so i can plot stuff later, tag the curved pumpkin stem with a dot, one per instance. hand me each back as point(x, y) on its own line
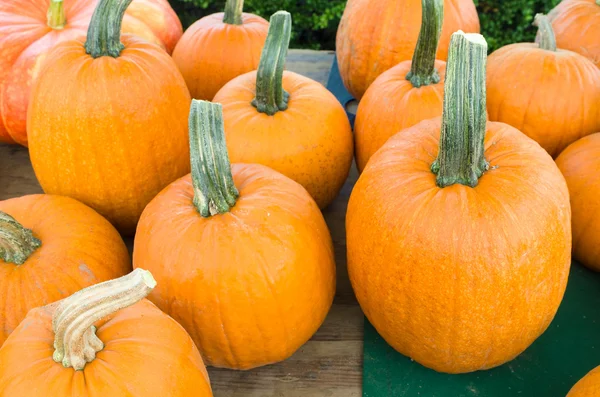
point(422, 71)
point(17, 243)
point(270, 95)
point(75, 339)
point(56, 15)
point(233, 12)
point(214, 190)
point(461, 155)
point(104, 33)
point(545, 38)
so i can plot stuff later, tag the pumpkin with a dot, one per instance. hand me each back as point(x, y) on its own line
point(107, 122)
point(241, 253)
point(580, 163)
point(375, 35)
point(219, 47)
point(404, 95)
point(588, 386)
point(551, 95)
point(287, 122)
point(29, 29)
point(105, 340)
point(576, 24)
point(458, 231)
point(51, 247)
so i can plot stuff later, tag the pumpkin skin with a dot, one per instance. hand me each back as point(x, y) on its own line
point(109, 132)
point(552, 97)
point(588, 386)
point(369, 40)
point(26, 39)
point(579, 163)
point(79, 248)
point(212, 52)
point(473, 285)
point(251, 285)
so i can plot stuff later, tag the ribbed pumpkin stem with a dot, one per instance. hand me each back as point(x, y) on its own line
point(461, 155)
point(56, 15)
point(16, 242)
point(270, 95)
point(75, 340)
point(545, 38)
point(104, 33)
point(422, 71)
point(214, 190)
point(233, 12)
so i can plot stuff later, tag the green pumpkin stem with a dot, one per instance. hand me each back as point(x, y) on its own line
point(75, 340)
point(104, 33)
point(233, 12)
point(422, 71)
point(270, 95)
point(214, 190)
point(545, 38)
point(56, 15)
point(17, 243)
point(461, 156)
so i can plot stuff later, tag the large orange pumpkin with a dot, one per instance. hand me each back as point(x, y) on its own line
point(105, 340)
point(580, 163)
point(459, 249)
point(29, 29)
point(108, 121)
point(551, 95)
point(51, 247)
point(588, 386)
point(375, 35)
point(406, 94)
point(242, 254)
point(219, 47)
point(287, 122)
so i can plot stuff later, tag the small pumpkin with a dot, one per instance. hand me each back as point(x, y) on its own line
point(105, 340)
point(588, 386)
point(579, 163)
point(51, 247)
point(406, 94)
point(29, 29)
point(219, 47)
point(458, 232)
point(107, 121)
point(242, 254)
point(552, 95)
point(375, 35)
point(288, 122)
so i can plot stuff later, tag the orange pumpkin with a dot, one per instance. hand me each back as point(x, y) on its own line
point(105, 340)
point(51, 247)
point(107, 122)
point(242, 254)
point(576, 24)
point(580, 163)
point(375, 35)
point(404, 95)
point(219, 47)
point(29, 29)
point(551, 95)
point(588, 386)
point(287, 122)
point(459, 248)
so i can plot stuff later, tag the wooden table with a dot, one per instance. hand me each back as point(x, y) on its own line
point(330, 364)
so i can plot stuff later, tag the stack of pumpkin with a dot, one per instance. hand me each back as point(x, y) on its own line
point(459, 228)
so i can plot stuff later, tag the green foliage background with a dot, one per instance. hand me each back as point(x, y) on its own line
point(316, 21)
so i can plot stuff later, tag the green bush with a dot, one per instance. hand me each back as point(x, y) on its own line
point(316, 21)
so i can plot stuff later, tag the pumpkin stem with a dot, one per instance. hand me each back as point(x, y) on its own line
point(75, 340)
point(17, 243)
point(56, 15)
point(233, 12)
point(270, 95)
point(104, 33)
point(422, 71)
point(461, 155)
point(214, 191)
point(545, 38)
